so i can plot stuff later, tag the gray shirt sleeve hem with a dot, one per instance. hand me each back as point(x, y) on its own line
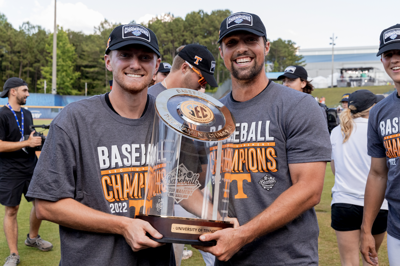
point(308, 160)
point(44, 197)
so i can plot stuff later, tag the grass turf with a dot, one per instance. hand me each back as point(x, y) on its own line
point(334, 95)
point(328, 250)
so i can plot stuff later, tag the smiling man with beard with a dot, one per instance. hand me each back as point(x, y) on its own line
point(17, 162)
point(281, 146)
point(91, 173)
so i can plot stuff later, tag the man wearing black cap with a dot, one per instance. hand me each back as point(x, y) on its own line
point(162, 72)
point(17, 162)
point(281, 146)
point(193, 68)
point(92, 168)
point(383, 147)
point(296, 77)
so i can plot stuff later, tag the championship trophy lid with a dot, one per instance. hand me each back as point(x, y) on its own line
point(193, 113)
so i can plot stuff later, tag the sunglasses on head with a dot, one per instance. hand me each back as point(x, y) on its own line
point(202, 81)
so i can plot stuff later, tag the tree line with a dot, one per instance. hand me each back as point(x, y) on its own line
point(27, 52)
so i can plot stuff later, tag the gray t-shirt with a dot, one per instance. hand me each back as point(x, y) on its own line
point(98, 158)
point(384, 141)
point(156, 89)
point(280, 126)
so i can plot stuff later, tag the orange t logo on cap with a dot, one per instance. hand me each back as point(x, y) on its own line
point(198, 59)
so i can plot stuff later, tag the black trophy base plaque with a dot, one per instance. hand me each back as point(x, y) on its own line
point(184, 230)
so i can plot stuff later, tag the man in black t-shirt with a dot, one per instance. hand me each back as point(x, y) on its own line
point(17, 162)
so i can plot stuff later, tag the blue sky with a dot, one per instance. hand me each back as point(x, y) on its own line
point(309, 23)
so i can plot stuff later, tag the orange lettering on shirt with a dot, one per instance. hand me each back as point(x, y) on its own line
point(117, 186)
point(126, 186)
point(395, 150)
point(235, 164)
point(241, 160)
point(262, 164)
point(271, 156)
point(253, 160)
point(133, 191)
point(105, 180)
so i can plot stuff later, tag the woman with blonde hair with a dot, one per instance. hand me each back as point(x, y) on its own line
point(350, 164)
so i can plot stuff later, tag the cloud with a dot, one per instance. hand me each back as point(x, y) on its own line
point(144, 19)
point(76, 17)
point(2, 3)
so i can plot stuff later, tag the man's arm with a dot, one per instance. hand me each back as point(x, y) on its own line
point(307, 179)
point(373, 198)
point(70, 213)
point(10, 146)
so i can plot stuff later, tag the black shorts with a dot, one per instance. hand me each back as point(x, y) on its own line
point(348, 217)
point(11, 189)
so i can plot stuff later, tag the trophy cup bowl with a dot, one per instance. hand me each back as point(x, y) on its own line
point(187, 185)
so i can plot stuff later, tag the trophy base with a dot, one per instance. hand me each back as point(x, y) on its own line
point(184, 230)
point(184, 241)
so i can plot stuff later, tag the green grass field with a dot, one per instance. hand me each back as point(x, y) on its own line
point(334, 95)
point(328, 251)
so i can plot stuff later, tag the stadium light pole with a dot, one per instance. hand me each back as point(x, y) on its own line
point(54, 81)
point(333, 38)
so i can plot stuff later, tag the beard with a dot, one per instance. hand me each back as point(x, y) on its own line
point(21, 100)
point(248, 74)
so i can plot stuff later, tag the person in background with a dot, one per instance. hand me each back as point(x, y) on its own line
point(193, 68)
point(345, 101)
point(296, 77)
point(17, 162)
point(162, 72)
point(350, 164)
point(383, 138)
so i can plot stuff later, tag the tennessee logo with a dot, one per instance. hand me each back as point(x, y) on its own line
point(198, 59)
point(108, 42)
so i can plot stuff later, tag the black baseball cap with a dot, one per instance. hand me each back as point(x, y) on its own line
point(198, 56)
point(164, 67)
point(361, 100)
point(294, 72)
point(379, 97)
point(389, 39)
point(242, 21)
point(345, 97)
point(124, 35)
point(10, 84)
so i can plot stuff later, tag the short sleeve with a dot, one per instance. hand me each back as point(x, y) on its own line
point(336, 137)
point(375, 142)
point(54, 175)
point(3, 128)
point(307, 133)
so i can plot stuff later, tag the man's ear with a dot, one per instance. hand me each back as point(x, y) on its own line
point(107, 61)
point(12, 91)
point(158, 62)
point(267, 47)
point(184, 68)
point(220, 52)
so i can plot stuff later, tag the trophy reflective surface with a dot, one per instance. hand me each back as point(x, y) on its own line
point(187, 186)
